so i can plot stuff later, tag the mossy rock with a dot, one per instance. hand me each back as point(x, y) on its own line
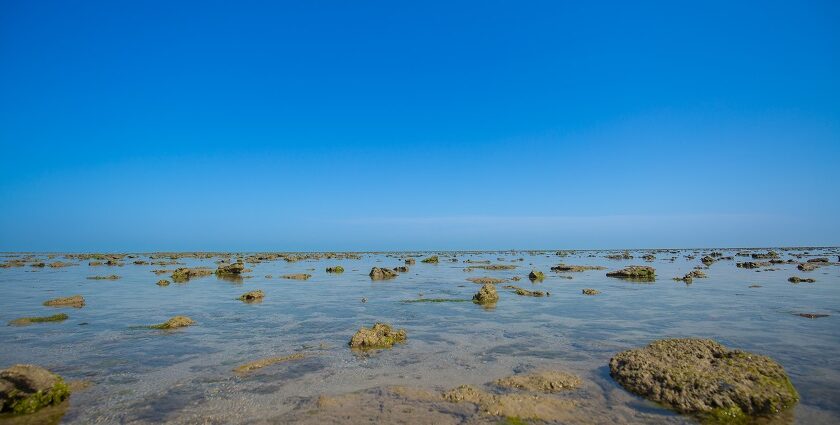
point(431, 260)
point(23, 321)
point(336, 269)
point(252, 296)
point(163, 282)
point(704, 378)
point(25, 389)
point(75, 301)
point(644, 273)
point(486, 295)
point(175, 323)
point(234, 269)
point(536, 275)
point(382, 273)
point(379, 336)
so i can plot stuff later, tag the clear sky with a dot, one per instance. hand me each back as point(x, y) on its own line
point(311, 125)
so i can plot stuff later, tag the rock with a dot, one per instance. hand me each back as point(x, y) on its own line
point(484, 280)
point(433, 259)
point(336, 269)
point(377, 273)
point(812, 315)
point(534, 407)
point(174, 323)
point(76, 301)
point(707, 260)
point(163, 282)
point(590, 291)
point(702, 377)
point(486, 295)
point(410, 261)
point(251, 296)
point(401, 269)
point(261, 363)
point(536, 275)
point(806, 267)
point(234, 269)
point(109, 277)
point(184, 274)
point(752, 264)
point(818, 260)
point(546, 382)
point(768, 255)
point(690, 276)
point(26, 388)
point(649, 257)
point(59, 264)
point(297, 276)
point(635, 272)
point(567, 268)
point(379, 336)
point(24, 321)
point(796, 279)
point(524, 292)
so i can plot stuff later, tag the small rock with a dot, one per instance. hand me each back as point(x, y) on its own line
point(76, 301)
point(379, 336)
point(590, 291)
point(174, 323)
point(252, 296)
point(486, 295)
point(336, 269)
point(377, 273)
point(163, 282)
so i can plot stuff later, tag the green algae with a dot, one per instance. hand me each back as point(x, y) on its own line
point(23, 321)
point(30, 404)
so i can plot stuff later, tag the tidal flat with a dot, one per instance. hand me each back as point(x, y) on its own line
point(554, 351)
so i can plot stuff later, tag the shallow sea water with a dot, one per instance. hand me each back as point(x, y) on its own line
point(140, 375)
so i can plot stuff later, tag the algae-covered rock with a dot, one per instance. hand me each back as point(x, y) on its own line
point(702, 377)
point(297, 276)
point(401, 269)
point(526, 293)
point(806, 267)
point(433, 259)
point(548, 382)
point(336, 269)
point(75, 301)
point(569, 268)
point(174, 323)
point(485, 280)
point(109, 277)
point(635, 272)
point(536, 275)
point(486, 295)
point(590, 291)
point(163, 282)
point(377, 273)
point(183, 274)
point(26, 388)
point(252, 296)
point(409, 261)
point(530, 406)
point(381, 335)
point(797, 279)
point(23, 321)
point(234, 269)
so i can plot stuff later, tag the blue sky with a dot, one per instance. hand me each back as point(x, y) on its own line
point(310, 125)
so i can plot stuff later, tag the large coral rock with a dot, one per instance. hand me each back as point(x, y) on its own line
point(700, 376)
point(486, 295)
point(381, 335)
point(25, 388)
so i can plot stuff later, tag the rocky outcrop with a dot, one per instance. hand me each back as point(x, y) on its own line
point(26, 388)
point(486, 295)
point(75, 301)
point(377, 273)
point(379, 336)
point(635, 272)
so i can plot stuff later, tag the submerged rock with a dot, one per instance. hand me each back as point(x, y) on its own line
point(590, 291)
point(486, 295)
point(536, 275)
point(547, 382)
point(252, 296)
point(336, 269)
point(752, 264)
point(690, 276)
point(379, 336)
point(535, 407)
point(702, 377)
point(568, 268)
point(377, 273)
point(297, 276)
point(524, 292)
point(635, 272)
point(26, 388)
point(806, 267)
point(76, 301)
point(174, 323)
point(163, 282)
point(433, 259)
point(485, 280)
point(23, 321)
point(109, 277)
point(812, 315)
point(401, 269)
point(268, 361)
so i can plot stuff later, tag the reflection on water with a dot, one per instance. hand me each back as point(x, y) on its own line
point(185, 376)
